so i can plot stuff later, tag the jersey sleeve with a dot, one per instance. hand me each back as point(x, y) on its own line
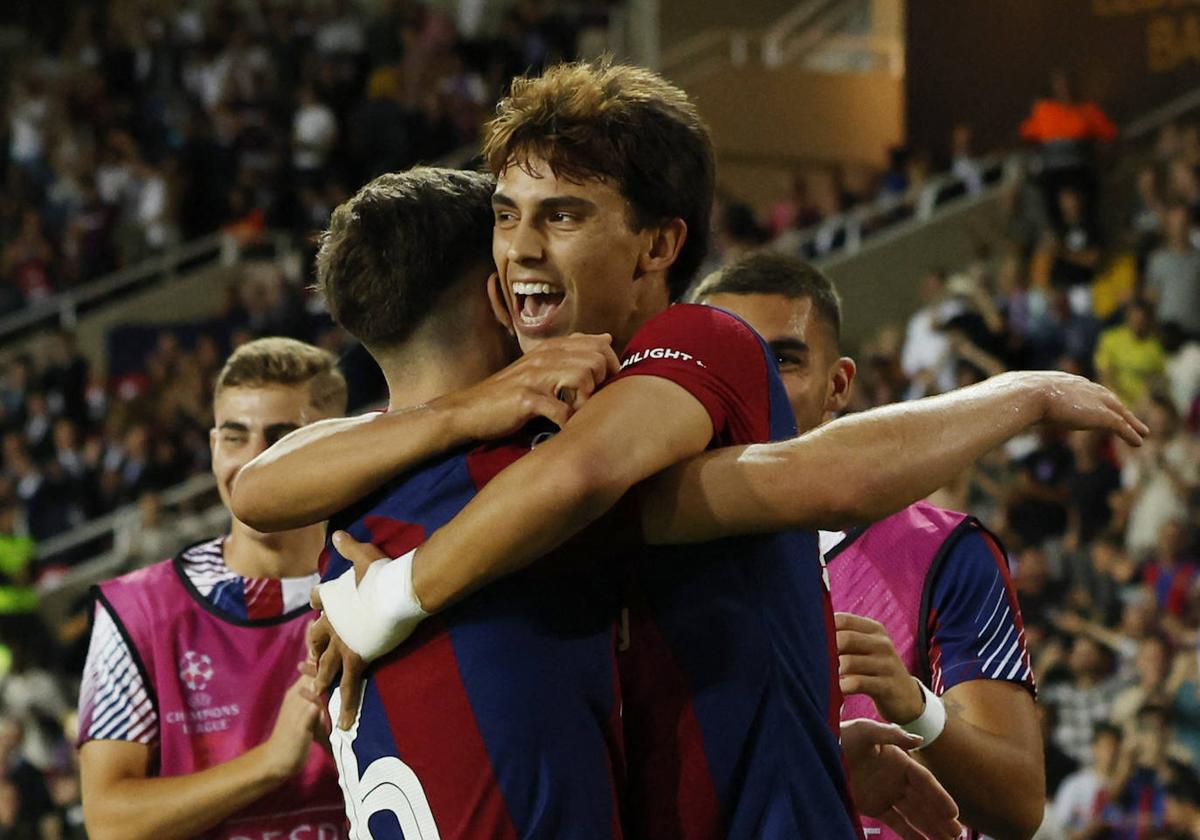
point(975, 627)
point(114, 704)
point(716, 358)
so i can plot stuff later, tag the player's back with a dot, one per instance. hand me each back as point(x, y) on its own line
point(499, 718)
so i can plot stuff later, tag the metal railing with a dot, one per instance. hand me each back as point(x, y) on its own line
point(64, 308)
point(95, 551)
point(845, 233)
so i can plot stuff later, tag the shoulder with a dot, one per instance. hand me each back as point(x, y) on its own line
point(696, 325)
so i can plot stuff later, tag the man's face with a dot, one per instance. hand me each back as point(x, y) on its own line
point(804, 346)
point(248, 420)
point(565, 254)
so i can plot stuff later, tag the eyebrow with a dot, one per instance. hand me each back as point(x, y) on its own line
point(783, 344)
point(234, 426)
point(281, 428)
point(556, 202)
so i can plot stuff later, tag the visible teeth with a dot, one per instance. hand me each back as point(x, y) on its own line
point(533, 289)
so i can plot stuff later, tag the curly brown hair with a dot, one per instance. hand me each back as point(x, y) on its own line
point(613, 121)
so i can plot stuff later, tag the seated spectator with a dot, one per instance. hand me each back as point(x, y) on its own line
point(964, 164)
point(1173, 273)
point(1129, 358)
point(1083, 795)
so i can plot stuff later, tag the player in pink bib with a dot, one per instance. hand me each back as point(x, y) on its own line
point(922, 593)
point(193, 719)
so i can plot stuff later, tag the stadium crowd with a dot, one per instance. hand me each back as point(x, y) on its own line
point(136, 130)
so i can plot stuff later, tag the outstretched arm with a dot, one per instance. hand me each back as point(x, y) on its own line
point(323, 467)
point(861, 468)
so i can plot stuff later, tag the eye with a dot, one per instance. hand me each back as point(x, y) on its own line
point(788, 360)
point(505, 217)
point(233, 438)
point(559, 217)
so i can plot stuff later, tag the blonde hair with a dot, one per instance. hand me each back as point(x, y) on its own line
point(286, 361)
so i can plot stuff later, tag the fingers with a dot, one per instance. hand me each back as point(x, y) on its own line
point(857, 623)
point(361, 554)
point(327, 668)
point(556, 411)
point(853, 641)
point(314, 598)
point(884, 734)
point(350, 690)
point(318, 637)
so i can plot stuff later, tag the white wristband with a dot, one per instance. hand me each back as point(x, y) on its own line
point(932, 720)
point(379, 612)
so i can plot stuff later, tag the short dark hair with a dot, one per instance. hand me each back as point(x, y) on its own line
point(629, 124)
point(773, 273)
point(1103, 728)
point(398, 244)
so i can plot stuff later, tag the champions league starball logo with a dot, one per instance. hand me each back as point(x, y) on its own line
point(196, 670)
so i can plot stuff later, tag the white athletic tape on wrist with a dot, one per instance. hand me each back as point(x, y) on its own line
point(932, 720)
point(378, 613)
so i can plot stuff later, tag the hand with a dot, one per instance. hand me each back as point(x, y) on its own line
point(299, 715)
point(327, 654)
point(890, 786)
point(1073, 402)
point(868, 664)
point(372, 606)
point(553, 380)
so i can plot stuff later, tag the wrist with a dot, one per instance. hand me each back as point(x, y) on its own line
point(450, 419)
point(274, 769)
point(930, 724)
point(910, 703)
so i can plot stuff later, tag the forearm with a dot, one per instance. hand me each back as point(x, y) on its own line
point(545, 498)
point(972, 764)
point(170, 807)
point(856, 469)
point(319, 469)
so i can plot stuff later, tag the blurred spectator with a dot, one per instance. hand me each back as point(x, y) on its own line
point(1173, 273)
point(1066, 131)
point(1081, 798)
point(925, 358)
point(1129, 358)
point(963, 162)
point(1140, 804)
point(1083, 699)
point(1182, 370)
point(1159, 479)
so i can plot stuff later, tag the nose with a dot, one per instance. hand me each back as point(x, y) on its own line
point(525, 243)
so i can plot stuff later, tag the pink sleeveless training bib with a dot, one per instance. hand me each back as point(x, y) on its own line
point(217, 685)
point(882, 574)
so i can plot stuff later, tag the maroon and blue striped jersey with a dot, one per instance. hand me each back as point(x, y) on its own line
point(729, 674)
point(500, 717)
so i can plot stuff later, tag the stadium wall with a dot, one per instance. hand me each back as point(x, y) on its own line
point(984, 62)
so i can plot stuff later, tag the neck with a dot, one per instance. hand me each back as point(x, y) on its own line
point(424, 380)
point(287, 554)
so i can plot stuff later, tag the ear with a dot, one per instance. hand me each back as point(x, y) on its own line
point(499, 308)
point(841, 379)
point(662, 247)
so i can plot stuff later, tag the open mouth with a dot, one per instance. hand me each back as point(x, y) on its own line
point(536, 303)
